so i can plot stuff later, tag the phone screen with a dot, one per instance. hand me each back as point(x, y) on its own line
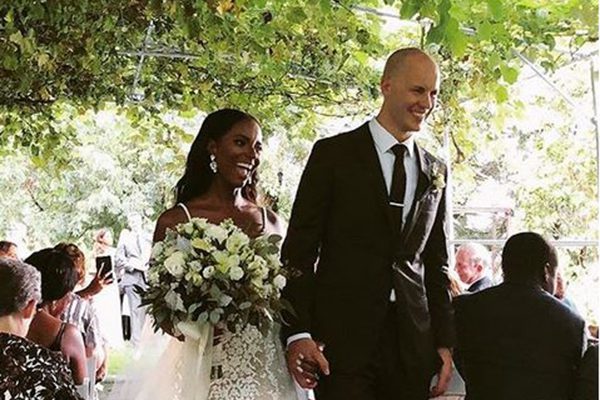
point(104, 265)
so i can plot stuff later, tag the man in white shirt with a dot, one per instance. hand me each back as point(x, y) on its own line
point(366, 247)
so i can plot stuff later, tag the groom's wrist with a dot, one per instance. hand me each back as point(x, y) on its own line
point(298, 336)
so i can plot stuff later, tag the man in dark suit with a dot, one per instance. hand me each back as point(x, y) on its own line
point(516, 341)
point(367, 244)
point(473, 263)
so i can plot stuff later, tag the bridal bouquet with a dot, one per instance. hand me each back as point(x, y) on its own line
point(206, 273)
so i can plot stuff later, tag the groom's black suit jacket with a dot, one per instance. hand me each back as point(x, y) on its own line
point(350, 253)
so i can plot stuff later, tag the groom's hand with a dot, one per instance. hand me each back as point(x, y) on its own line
point(444, 374)
point(306, 361)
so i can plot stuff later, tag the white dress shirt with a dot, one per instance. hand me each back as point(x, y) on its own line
point(384, 141)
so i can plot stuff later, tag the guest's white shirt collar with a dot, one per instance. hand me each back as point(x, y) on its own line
point(384, 140)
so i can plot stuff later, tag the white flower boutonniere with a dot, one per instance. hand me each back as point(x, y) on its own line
point(438, 180)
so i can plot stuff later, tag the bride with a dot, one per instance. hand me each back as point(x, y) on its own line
point(220, 183)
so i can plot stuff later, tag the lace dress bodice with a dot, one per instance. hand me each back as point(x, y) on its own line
point(252, 366)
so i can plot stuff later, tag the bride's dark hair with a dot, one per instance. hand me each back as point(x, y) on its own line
point(197, 177)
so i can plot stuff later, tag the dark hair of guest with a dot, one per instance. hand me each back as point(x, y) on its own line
point(59, 274)
point(525, 256)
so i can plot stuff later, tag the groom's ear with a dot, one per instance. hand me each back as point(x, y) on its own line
point(385, 85)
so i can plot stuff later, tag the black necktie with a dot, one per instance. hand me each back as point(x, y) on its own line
point(398, 184)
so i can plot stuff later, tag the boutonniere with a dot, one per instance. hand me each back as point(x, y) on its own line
point(437, 177)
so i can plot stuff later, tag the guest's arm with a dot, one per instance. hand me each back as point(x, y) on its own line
point(73, 349)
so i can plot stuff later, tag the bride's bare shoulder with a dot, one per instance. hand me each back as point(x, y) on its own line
point(168, 219)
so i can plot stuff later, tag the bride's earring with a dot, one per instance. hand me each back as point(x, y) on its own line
point(213, 163)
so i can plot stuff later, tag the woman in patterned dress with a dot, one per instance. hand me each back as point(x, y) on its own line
point(27, 370)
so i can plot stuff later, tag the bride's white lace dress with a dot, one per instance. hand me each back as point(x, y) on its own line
point(252, 367)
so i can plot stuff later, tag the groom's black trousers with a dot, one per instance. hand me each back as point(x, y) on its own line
point(385, 378)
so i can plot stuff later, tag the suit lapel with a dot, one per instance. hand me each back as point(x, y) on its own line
point(423, 188)
point(368, 158)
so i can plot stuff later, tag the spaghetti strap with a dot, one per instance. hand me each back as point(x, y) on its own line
point(185, 209)
point(56, 345)
point(264, 218)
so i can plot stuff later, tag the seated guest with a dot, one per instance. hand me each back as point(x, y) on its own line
point(27, 370)
point(81, 313)
point(473, 263)
point(515, 340)
point(8, 249)
point(59, 277)
point(561, 292)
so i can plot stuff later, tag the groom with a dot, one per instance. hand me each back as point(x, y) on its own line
point(367, 246)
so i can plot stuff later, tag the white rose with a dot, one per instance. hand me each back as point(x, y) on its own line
point(153, 276)
point(157, 250)
point(188, 228)
point(279, 282)
point(236, 241)
point(267, 289)
point(216, 232)
point(200, 223)
point(175, 264)
point(236, 273)
point(208, 272)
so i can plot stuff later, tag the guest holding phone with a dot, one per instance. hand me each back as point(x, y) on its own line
point(107, 302)
point(82, 313)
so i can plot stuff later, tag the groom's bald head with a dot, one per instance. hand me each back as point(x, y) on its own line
point(398, 60)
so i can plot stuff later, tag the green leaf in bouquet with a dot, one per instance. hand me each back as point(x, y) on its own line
point(245, 305)
point(215, 292)
point(215, 316)
point(203, 317)
point(274, 238)
point(161, 315)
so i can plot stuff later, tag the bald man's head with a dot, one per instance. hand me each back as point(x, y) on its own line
point(409, 85)
point(398, 60)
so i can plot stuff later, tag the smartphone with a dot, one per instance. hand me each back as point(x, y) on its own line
point(104, 265)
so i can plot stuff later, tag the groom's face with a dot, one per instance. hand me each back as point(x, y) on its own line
point(410, 92)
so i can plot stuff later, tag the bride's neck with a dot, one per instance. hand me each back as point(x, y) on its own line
point(225, 194)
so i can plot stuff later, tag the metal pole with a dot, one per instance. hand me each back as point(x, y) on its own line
point(449, 192)
point(138, 70)
point(597, 134)
point(545, 78)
